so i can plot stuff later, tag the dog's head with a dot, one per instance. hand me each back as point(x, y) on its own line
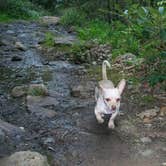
point(112, 96)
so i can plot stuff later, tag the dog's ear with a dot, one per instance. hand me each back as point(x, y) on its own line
point(121, 85)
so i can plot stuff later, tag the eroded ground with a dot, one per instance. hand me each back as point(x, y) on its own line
point(70, 134)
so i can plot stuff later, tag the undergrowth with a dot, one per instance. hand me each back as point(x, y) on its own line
point(141, 31)
point(19, 9)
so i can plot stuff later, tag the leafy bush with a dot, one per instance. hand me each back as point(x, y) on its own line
point(73, 17)
point(155, 68)
point(116, 34)
point(19, 9)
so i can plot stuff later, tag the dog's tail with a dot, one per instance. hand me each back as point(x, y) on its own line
point(104, 72)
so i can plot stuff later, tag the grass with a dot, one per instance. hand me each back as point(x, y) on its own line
point(11, 10)
point(5, 17)
point(37, 91)
point(49, 39)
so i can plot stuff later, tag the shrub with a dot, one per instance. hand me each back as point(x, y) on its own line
point(19, 9)
point(73, 17)
point(155, 68)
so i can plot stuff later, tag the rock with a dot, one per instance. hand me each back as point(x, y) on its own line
point(19, 91)
point(25, 158)
point(77, 90)
point(20, 46)
point(147, 120)
point(49, 140)
point(10, 32)
point(146, 140)
point(40, 105)
point(4, 42)
point(16, 58)
point(150, 113)
point(2, 136)
point(163, 164)
point(66, 40)
point(50, 20)
point(125, 58)
point(163, 111)
point(9, 129)
point(129, 58)
point(37, 90)
point(146, 153)
point(94, 63)
point(83, 91)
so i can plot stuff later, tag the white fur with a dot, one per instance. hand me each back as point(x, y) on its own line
point(108, 98)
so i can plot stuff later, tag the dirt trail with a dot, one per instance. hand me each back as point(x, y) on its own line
point(71, 137)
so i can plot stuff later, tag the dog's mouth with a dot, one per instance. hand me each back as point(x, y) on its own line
point(110, 111)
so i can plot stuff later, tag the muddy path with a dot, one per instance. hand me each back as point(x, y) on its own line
point(70, 135)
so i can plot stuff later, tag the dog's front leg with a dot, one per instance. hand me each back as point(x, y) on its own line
point(111, 124)
point(99, 116)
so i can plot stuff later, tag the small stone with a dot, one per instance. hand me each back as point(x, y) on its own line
point(164, 149)
point(147, 120)
point(163, 164)
point(94, 63)
point(20, 46)
point(150, 113)
point(49, 140)
point(146, 153)
point(4, 42)
point(2, 136)
point(42, 105)
point(50, 20)
point(163, 111)
point(76, 91)
point(10, 32)
point(148, 125)
point(16, 58)
point(22, 128)
point(19, 91)
point(146, 140)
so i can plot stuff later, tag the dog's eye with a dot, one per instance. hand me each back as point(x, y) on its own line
point(118, 99)
point(108, 99)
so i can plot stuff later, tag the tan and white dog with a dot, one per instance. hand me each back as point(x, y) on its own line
point(108, 97)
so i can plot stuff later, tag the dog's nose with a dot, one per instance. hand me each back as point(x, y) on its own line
point(113, 107)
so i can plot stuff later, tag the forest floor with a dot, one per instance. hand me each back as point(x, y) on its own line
point(67, 131)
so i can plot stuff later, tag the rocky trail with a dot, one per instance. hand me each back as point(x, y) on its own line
point(62, 125)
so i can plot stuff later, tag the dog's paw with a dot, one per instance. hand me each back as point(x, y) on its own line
point(111, 124)
point(100, 120)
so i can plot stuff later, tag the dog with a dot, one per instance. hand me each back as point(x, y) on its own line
point(108, 97)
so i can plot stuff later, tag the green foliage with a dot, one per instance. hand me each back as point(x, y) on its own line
point(155, 68)
point(37, 91)
point(148, 99)
point(19, 9)
point(4, 17)
point(73, 17)
point(49, 39)
point(116, 34)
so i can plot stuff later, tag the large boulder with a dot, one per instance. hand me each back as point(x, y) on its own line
point(25, 158)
